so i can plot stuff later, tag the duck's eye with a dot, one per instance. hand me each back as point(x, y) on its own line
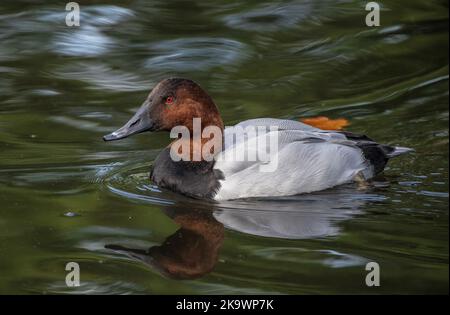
point(169, 100)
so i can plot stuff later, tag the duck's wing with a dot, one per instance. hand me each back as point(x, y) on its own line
point(281, 124)
point(262, 124)
point(302, 161)
point(292, 131)
point(241, 141)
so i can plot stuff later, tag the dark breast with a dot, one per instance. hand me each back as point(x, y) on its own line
point(194, 179)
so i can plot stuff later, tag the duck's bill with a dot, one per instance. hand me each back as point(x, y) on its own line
point(122, 133)
point(140, 122)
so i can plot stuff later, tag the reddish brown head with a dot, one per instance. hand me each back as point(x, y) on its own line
point(173, 102)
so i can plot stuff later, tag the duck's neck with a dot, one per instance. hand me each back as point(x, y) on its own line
point(205, 140)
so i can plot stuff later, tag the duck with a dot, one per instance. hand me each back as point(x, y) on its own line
point(308, 159)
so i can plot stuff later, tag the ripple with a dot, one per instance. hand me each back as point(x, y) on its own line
point(433, 194)
point(140, 197)
point(87, 41)
point(98, 15)
point(102, 76)
point(270, 17)
point(94, 287)
point(18, 31)
point(79, 123)
point(45, 92)
point(342, 260)
point(106, 14)
point(112, 231)
point(329, 258)
point(197, 53)
point(396, 39)
point(132, 182)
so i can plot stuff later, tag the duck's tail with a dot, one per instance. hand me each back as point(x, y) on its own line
point(396, 151)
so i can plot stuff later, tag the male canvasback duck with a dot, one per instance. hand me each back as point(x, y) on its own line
point(308, 159)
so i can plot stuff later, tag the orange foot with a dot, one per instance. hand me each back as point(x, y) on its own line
point(326, 123)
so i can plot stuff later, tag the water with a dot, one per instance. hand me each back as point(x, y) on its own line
point(68, 196)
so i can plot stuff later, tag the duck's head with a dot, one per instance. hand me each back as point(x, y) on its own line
point(173, 102)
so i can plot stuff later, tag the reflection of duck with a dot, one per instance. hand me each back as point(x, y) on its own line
point(304, 217)
point(190, 252)
point(193, 250)
point(307, 159)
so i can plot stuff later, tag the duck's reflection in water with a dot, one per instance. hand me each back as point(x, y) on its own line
point(193, 250)
point(298, 217)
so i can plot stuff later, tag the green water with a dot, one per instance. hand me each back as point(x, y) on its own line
point(65, 194)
